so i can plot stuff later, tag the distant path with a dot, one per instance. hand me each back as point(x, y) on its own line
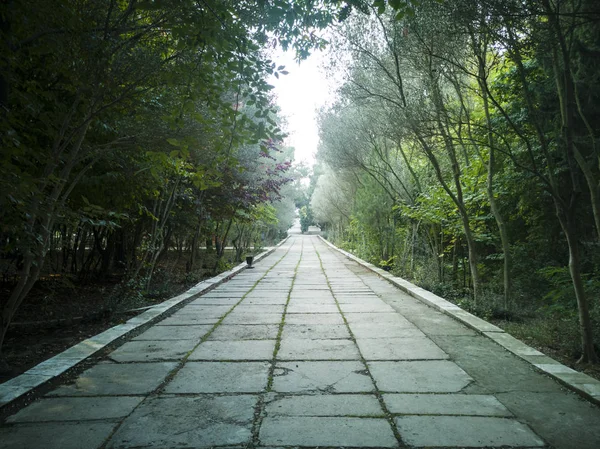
point(307, 349)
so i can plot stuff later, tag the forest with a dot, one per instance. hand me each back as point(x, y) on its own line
point(459, 152)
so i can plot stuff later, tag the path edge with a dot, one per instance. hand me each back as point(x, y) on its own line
point(46, 371)
point(581, 383)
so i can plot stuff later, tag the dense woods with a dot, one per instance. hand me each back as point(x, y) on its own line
point(461, 153)
point(133, 128)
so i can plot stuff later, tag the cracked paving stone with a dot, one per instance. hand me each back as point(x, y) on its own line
point(431, 376)
point(188, 422)
point(331, 377)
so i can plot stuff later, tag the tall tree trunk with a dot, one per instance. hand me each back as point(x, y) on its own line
point(567, 222)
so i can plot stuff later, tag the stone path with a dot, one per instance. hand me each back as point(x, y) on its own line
point(307, 349)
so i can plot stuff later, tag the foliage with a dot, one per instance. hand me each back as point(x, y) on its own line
point(469, 132)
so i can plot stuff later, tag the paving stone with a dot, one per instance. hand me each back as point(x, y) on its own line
point(300, 307)
point(76, 409)
point(331, 377)
point(430, 320)
point(146, 351)
point(385, 330)
point(432, 376)
point(281, 299)
point(259, 308)
point(220, 377)
point(327, 431)
point(89, 435)
point(445, 404)
point(234, 350)
point(465, 431)
point(314, 318)
point(188, 422)
point(112, 379)
point(312, 297)
point(302, 349)
point(376, 318)
point(325, 405)
point(564, 419)
point(167, 333)
point(409, 348)
point(245, 332)
point(377, 306)
point(315, 331)
point(252, 318)
point(492, 366)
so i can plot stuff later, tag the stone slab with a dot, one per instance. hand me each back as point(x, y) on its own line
point(281, 299)
point(433, 376)
point(76, 409)
point(465, 431)
point(112, 379)
point(188, 422)
point(314, 318)
point(259, 308)
point(325, 405)
point(376, 318)
point(377, 306)
point(152, 351)
point(328, 377)
point(409, 348)
point(563, 419)
point(252, 318)
point(315, 331)
point(302, 307)
point(493, 367)
point(245, 332)
point(385, 330)
point(234, 350)
point(445, 404)
point(302, 349)
point(90, 435)
point(220, 377)
point(167, 333)
point(327, 431)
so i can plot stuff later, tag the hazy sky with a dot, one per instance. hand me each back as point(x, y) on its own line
point(299, 95)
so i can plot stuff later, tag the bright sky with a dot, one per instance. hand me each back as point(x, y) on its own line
point(299, 95)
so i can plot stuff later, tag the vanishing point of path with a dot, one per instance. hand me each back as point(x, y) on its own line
point(307, 349)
